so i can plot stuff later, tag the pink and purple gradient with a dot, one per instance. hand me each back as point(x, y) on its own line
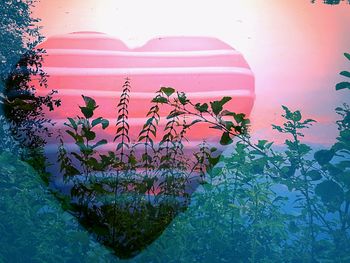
point(96, 65)
point(293, 47)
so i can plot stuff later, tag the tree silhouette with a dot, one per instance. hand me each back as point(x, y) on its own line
point(20, 68)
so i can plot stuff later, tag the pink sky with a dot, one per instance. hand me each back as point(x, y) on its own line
point(294, 47)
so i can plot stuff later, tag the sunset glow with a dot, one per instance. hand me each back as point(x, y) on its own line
point(175, 131)
point(294, 48)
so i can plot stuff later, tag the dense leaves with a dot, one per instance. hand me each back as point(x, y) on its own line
point(21, 72)
point(245, 182)
point(34, 227)
point(257, 203)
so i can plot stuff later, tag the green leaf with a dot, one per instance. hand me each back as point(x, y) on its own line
point(72, 123)
point(99, 143)
point(288, 171)
point(90, 135)
point(227, 113)
point(88, 113)
point(239, 117)
point(175, 114)
point(90, 103)
point(229, 125)
point(314, 175)
point(324, 156)
point(333, 170)
point(217, 106)
point(330, 192)
point(288, 115)
point(213, 160)
point(132, 160)
point(278, 128)
point(213, 149)
point(261, 144)
point(344, 164)
point(201, 107)
point(345, 74)
point(225, 99)
point(342, 85)
point(70, 171)
point(160, 99)
point(292, 145)
point(100, 120)
point(347, 55)
point(96, 121)
point(95, 165)
point(182, 98)
point(76, 137)
point(268, 145)
point(345, 135)
point(225, 139)
point(194, 122)
point(258, 168)
point(297, 116)
point(304, 149)
point(167, 91)
point(345, 178)
point(216, 127)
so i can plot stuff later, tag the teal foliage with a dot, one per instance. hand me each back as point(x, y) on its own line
point(255, 203)
point(33, 226)
point(344, 84)
point(264, 205)
point(20, 63)
point(20, 32)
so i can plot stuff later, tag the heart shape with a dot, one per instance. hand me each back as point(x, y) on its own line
point(96, 65)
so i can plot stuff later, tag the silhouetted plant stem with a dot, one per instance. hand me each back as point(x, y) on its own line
point(306, 193)
point(149, 130)
point(220, 124)
point(122, 134)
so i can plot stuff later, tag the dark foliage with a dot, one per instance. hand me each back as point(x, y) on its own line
point(20, 72)
point(127, 197)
